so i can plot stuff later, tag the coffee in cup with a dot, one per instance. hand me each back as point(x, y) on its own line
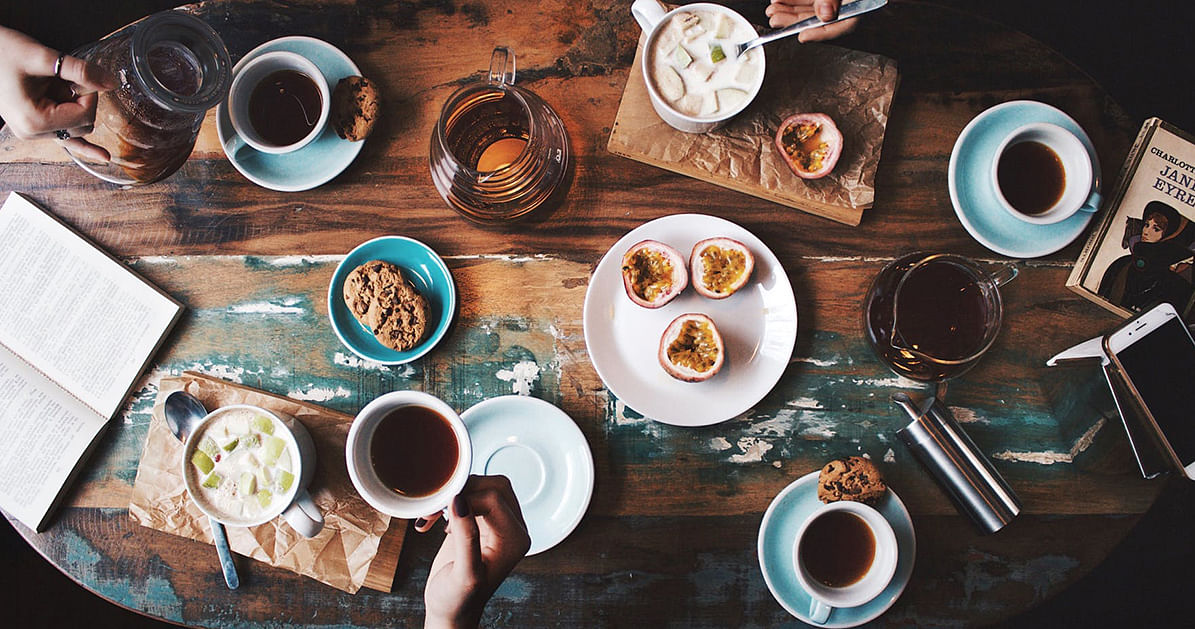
point(278, 103)
point(1042, 174)
point(845, 555)
point(408, 454)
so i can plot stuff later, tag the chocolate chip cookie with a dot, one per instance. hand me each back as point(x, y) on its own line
point(853, 478)
point(387, 303)
point(354, 108)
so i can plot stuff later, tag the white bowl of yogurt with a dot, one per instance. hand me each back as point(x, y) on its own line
point(245, 466)
point(695, 80)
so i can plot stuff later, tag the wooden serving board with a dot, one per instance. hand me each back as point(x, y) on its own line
point(854, 88)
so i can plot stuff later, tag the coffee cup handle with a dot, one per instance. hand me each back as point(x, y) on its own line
point(647, 13)
point(819, 612)
point(1092, 203)
point(303, 516)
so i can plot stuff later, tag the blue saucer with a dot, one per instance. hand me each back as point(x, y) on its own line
point(543, 453)
point(974, 196)
point(423, 268)
point(778, 533)
point(314, 164)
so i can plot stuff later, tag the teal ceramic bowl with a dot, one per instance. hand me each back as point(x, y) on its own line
point(423, 268)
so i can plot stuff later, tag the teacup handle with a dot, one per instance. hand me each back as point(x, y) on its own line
point(819, 612)
point(303, 516)
point(1092, 203)
point(647, 13)
point(1005, 274)
point(502, 60)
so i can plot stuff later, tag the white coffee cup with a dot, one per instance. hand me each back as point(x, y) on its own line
point(825, 598)
point(377, 493)
point(1077, 193)
point(652, 17)
point(295, 505)
point(248, 78)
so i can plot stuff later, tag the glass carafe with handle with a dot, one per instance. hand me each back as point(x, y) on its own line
point(170, 68)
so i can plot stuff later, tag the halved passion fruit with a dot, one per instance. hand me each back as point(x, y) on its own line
point(720, 266)
point(810, 144)
point(653, 273)
point(691, 348)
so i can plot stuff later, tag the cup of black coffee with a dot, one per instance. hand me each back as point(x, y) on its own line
point(1043, 174)
point(408, 454)
point(278, 103)
point(845, 556)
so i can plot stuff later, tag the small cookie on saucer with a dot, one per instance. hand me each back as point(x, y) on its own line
point(384, 301)
point(354, 108)
point(853, 478)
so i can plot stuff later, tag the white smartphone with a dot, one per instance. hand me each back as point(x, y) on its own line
point(1156, 354)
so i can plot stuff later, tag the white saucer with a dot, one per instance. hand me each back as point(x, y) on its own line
point(543, 453)
point(974, 196)
point(778, 533)
point(314, 164)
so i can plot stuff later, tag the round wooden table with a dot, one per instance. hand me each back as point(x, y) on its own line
point(670, 535)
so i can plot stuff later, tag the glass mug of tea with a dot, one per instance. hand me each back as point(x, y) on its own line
point(408, 454)
point(171, 68)
point(845, 555)
point(498, 151)
point(931, 316)
point(1043, 174)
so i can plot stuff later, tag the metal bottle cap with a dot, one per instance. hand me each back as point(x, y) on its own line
point(960, 468)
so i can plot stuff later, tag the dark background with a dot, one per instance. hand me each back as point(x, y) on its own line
point(1141, 52)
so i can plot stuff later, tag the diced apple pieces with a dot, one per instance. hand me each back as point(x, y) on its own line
point(688, 19)
point(672, 87)
point(231, 445)
point(248, 484)
point(709, 106)
point(274, 448)
point(264, 424)
point(264, 497)
point(203, 461)
point(209, 447)
point(285, 480)
point(716, 53)
point(212, 481)
point(725, 27)
point(682, 56)
point(730, 98)
point(691, 104)
point(746, 74)
point(250, 441)
point(693, 32)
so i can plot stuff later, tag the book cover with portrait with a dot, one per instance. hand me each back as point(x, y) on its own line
point(1143, 252)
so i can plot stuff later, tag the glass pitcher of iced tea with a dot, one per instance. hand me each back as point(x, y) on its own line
point(931, 316)
point(498, 151)
point(171, 67)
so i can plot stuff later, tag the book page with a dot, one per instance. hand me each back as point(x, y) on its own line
point(1148, 254)
point(80, 317)
point(45, 434)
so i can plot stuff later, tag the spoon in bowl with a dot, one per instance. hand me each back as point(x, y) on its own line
point(848, 11)
point(183, 413)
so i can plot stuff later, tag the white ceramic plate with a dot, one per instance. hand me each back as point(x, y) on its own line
point(543, 453)
point(758, 325)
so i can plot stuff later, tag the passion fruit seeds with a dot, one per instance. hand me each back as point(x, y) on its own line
point(720, 266)
point(691, 348)
point(810, 144)
point(653, 273)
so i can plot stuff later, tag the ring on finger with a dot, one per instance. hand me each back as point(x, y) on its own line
point(62, 134)
point(58, 66)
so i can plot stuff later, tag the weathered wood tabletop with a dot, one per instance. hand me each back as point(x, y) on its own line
point(670, 535)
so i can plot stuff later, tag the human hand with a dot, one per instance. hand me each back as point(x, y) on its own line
point(486, 538)
point(784, 12)
point(36, 103)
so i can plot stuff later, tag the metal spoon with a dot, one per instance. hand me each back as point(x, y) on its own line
point(183, 413)
point(848, 10)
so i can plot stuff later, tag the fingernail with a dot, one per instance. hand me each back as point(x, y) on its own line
point(460, 506)
point(420, 522)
